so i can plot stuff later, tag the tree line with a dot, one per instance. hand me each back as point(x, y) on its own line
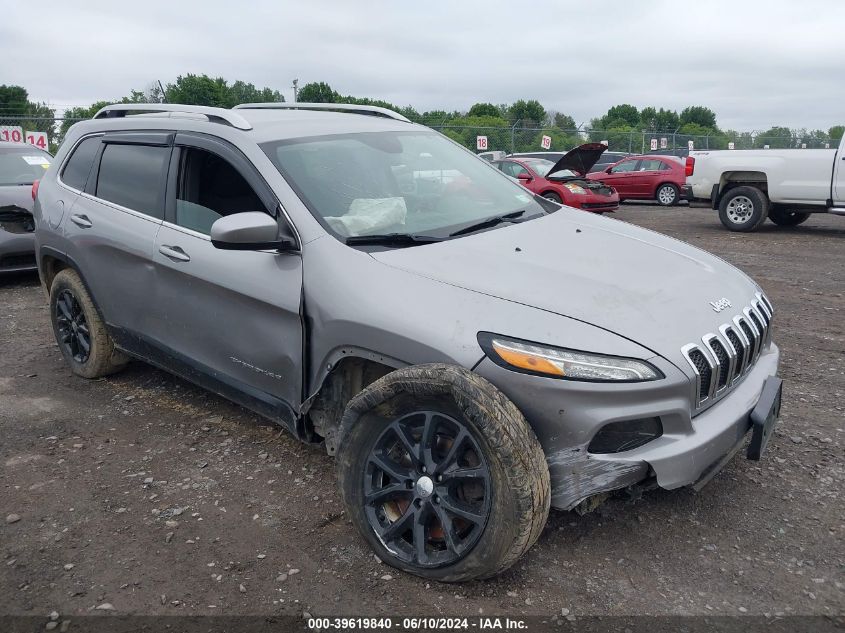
point(621, 125)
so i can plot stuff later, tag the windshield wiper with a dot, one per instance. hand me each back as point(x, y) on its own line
point(489, 222)
point(392, 239)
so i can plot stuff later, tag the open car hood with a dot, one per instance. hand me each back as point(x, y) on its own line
point(581, 159)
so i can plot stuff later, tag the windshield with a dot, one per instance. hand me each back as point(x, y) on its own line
point(22, 165)
point(541, 167)
point(415, 182)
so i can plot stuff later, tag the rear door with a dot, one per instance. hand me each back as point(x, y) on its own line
point(230, 320)
point(112, 224)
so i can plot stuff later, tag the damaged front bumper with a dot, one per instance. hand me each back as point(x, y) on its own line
point(566, 415)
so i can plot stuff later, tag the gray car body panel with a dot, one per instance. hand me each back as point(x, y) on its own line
point(282, 321)
point(15, 241)
point(17, 244)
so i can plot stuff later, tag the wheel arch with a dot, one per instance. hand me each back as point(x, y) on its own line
point(51, 262)
point(663, 183)
point(732, 179)
point(343, 374)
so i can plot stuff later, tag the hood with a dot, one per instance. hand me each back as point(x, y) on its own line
point(581, 159)
point(644, 286)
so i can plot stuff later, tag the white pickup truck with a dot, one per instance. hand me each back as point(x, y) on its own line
point(785, 185)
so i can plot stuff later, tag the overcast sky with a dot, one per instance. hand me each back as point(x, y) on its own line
point(756, 63)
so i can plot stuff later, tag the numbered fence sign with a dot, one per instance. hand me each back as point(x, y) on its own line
point(11, 133)
point(39, 139)
point(546, 142)
point(664, 143)
point(731, 145)
point(690, 145)
point(653, 144)
point(481, 142)
point(605, 143)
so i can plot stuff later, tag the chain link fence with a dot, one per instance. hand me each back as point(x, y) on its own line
point(530, 139)
point(511, 138)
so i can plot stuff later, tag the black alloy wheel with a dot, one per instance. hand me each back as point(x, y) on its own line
point(427, 489)
point(74, 334)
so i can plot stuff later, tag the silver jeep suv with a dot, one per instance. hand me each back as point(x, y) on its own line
point(471, 353)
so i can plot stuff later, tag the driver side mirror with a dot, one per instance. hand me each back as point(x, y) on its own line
point(608, 170)
point(250, 231)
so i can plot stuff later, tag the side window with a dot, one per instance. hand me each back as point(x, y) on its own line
point(134, 177)
point(210, 188)
point(78, 166)
point(650, 165)
point(621, 168)
point(664, 166)
point(513, 169)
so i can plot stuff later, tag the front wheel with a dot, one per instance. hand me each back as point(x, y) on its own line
point(551, 195)
point(783, 217)
point(667, 195)
point(441, 473)
point(743, 209)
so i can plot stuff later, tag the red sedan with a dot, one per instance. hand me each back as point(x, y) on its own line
point(564, 181)
point(648, 177)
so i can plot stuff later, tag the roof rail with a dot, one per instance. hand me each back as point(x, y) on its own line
point(340, 107)
point(215, 115)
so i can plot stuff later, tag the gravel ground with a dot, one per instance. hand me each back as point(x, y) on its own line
point(142, 494)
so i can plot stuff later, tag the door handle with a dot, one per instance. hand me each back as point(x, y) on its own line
point(81, 221)
point(174, 252)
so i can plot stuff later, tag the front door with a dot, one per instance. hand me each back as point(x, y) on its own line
point(231, 319)
point(646, 177)
point(621, 178)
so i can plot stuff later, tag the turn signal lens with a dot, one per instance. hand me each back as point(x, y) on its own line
point(689, 166)
point(576, 188)
point(564, 363)
point(526, 360)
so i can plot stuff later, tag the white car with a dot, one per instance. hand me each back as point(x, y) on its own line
point(747, 186)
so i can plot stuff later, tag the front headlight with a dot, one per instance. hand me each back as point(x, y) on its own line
point(556, 362)
point(575, 188)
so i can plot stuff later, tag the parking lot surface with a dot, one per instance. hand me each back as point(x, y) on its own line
point(143, 494)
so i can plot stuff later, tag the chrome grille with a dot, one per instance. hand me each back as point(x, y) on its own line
point(722, 359)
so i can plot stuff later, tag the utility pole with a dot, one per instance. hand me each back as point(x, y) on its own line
point(295, 89)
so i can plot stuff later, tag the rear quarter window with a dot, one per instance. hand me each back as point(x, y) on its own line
point(134, 177)
point(78, 166)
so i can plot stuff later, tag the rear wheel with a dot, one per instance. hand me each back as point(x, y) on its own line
point(667, 195)
point(743, 209)
point(551, 195)
point(784, 217)
point(441, 473)
point(79, 330)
